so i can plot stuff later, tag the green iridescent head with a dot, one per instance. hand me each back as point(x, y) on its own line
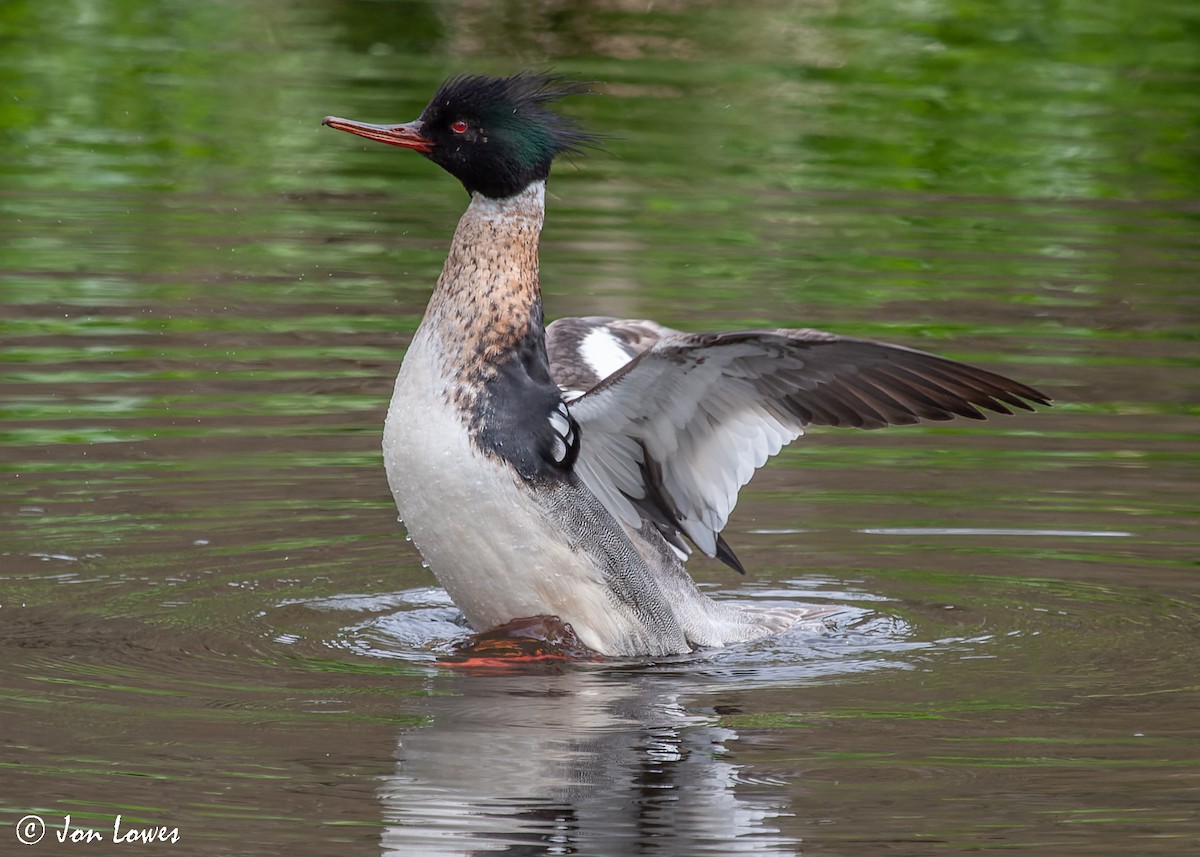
point(494, 134)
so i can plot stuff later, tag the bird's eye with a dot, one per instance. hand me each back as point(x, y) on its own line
point(458, 126)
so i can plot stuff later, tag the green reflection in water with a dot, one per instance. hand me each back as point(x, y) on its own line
point(205, 295)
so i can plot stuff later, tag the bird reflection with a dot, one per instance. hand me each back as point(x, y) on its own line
point(588, 761)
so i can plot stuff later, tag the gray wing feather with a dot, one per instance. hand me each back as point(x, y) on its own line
point(674, 433)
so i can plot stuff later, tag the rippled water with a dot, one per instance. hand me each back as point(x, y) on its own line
point(209, 617)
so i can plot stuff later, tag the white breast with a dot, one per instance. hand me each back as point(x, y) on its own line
point(477, 524)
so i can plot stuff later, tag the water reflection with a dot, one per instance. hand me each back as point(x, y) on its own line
point(607, 761)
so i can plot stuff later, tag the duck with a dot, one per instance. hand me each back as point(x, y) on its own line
point(570, 470)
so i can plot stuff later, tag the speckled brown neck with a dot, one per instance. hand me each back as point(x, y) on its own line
point(487, 297)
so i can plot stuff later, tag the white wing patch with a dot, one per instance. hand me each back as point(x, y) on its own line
point(565, 437)
point(560, 420)
point(603, 352)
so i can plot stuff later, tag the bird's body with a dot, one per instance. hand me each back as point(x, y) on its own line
point(469, 452)
point(461, 443)
point(568, 481)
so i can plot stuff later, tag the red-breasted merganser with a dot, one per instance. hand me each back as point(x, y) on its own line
point(563, 471)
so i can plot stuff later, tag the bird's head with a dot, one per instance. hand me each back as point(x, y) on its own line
point(496, 135)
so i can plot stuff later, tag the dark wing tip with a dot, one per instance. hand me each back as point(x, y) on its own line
point(930, 387)
point(726, 555)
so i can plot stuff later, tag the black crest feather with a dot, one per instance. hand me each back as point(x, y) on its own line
point(512, 136)
point(520, 100)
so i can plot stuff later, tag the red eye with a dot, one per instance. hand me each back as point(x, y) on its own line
point(458, 126)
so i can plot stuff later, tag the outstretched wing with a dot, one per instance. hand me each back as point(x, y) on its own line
point(674, 432)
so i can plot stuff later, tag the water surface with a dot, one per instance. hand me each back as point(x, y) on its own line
point(210, 619)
